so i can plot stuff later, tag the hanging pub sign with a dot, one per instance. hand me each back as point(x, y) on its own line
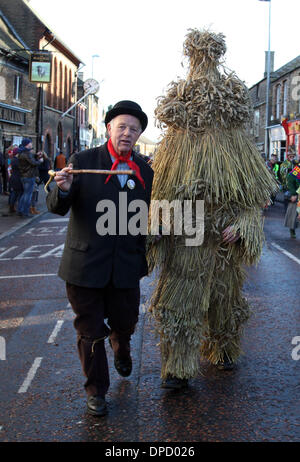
point(40, 67)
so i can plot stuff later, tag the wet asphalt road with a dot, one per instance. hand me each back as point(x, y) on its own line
point(41, 386)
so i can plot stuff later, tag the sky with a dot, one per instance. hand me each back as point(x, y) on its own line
point(140, 42)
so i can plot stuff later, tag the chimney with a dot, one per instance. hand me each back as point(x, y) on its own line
point(271, 63)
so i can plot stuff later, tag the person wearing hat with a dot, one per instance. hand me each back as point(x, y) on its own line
point(28, 168)
point(291, 216)
point(285, 168)
point(102, 268)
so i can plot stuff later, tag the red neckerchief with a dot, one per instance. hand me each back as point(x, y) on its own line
point(125, 158)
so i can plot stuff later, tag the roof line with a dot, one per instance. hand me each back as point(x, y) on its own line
point(26, 48)
point(51, 33)
point(281, 71)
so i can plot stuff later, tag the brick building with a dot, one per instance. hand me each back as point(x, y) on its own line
point(17, 94)
point(45, 103)
point(83, 132)
point(284, 109)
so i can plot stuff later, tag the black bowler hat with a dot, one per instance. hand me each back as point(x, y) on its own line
point(127, 107)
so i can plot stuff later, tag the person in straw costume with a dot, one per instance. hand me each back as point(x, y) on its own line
point(206, 155)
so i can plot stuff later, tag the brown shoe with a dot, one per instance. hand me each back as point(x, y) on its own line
point(34, 211)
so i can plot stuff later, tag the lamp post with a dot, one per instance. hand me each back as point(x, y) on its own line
point(268, 83)
point(92, 103)
point(93, 57)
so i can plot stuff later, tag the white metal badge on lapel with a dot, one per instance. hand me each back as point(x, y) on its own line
point(131, 184)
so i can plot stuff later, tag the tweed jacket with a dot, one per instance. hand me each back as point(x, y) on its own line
point(90, 259)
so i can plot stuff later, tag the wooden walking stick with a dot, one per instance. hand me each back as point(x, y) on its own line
point(52, 174)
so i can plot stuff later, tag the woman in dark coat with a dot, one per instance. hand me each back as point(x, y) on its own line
point(44, 168)
point(15, 184)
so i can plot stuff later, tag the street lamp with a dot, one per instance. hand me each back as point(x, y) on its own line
point(94, 56)
point(92, 103)
point(268, 82)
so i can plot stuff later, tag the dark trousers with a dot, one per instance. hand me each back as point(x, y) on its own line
point(92, 307)
point(14, 197)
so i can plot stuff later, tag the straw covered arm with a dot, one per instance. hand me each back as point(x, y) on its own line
point(249, 226)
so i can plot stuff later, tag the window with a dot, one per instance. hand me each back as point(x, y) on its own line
point(277, 101)
point(66, 88)
point(285, 97)
point(55, 81)
point(82, 115)
point(17, 87)
point(60, 88)
point(257, 92)
point(256, 122)
point(49, 90)
point(70, 88)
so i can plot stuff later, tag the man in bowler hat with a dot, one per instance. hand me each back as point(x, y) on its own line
point(102, 271)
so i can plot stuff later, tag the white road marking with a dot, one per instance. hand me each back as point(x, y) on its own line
point(6, 251)
point(285, 252)
point(34, 249)
point(33, 252)
point(40, 319)
point(28, 276)
point(30, 376)
point(55, 331)
point(55, 220)
point(11, 323)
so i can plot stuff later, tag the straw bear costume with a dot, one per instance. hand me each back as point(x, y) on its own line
point(206, 155)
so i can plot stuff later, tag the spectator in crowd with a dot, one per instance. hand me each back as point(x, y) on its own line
point(1, 163)
point(285, 168)
point(10, 154)
point(60, 161)
point(15, 183)
point(42, 177)
point(3, 171)
point(35, 197)
point(273, 167)
point(293, 184)
point(28, 167)
point(44, 167)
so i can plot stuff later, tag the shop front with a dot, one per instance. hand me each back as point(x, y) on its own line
point(292, 133)
point(13, 125)
point(277, 141)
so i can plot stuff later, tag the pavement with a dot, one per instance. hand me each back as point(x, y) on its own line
point(11, 222)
